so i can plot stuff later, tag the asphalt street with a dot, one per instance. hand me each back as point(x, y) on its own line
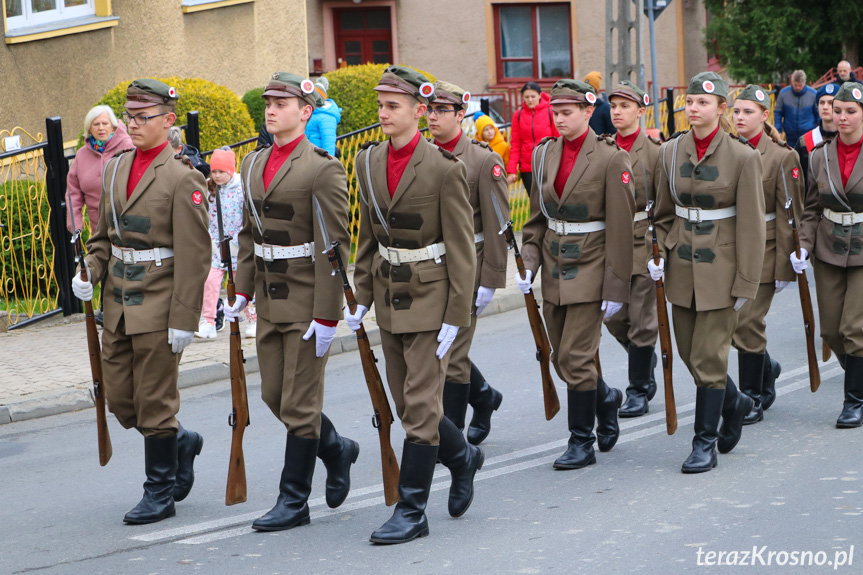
point(792, 487)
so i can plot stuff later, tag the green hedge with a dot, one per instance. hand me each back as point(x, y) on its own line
point(256, 105)
point(18, 263)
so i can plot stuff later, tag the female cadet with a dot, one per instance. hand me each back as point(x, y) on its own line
point(781, 180)
point(710, 214)
point(580, 232)
point(830, 228)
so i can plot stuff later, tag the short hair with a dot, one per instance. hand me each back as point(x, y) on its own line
point(846, 62)
point(97, 111)
point(531, 86)
point(798, 77)
point(175, 137)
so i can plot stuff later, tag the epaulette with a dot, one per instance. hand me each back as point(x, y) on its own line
point(185, 160)
point(677, 134)
point(656, 141)
point(608, 140)
point(121, 152)
point(742, 140)
point(481, 144)
point(261, 148)
point(323, 152)
point(546, 139)
point(822, 143)
point(369, 144)
point(448, 155)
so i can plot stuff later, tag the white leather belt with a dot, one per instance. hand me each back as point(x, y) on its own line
point(397, 256)
point(477, 238)
point(130, 256)
point(702, 215)
point(563, 228)
point(639, 216)
point(843, 218)
point(269, 252)
point(769, 216)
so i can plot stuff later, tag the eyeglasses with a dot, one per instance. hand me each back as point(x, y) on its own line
point(140, 119)
point(439, 111)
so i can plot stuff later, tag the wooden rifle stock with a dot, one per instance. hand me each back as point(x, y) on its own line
point(806, 308)
point(383, 417)
point(540, 337)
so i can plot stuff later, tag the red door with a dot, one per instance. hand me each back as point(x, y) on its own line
point(363, 35)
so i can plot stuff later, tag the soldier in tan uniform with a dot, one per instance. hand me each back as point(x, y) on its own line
point(295, 194)
point(782, 180)
point(831, 229)
point(486, 176)
point(636, 325)
point(416, 261)
point(580, 233)
point(710, 227)
point(152, 221)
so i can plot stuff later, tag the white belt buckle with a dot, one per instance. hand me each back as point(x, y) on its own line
point(560, 227)
point(847, 219)
point(697, 215)
point(267, 252)
point(393, 257)
point(128, 255)
point(157, 252)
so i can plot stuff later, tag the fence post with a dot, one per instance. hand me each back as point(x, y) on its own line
point(670, 124)
point(193, 131)
point(55, 184)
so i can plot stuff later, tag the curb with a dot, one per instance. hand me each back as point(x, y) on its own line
point(200, 372)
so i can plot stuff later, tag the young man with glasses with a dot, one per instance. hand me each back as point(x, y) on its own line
point(152, 221)
point(486, 176)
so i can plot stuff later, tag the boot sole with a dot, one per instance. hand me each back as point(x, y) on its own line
point(478, 467)
point(269, 528)
point(848, 425)
point(566, 467)
point(629, 414)
point(128, 521)
point(422, 533)
point(693, 470)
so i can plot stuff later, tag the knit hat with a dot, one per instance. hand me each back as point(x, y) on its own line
point(755, 93)
point(708, 83)
point(572, 92)
point(594, 79)
point(322, 86)
point(481, 124)
point(630, 92)
point(850, 92)
point(476, 115)
point(224, 160)
point(446, 93)
point(285, 85)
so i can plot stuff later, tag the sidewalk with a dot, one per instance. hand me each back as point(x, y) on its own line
point(46, 369)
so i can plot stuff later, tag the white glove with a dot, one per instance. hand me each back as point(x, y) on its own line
point(739, 303)
point(179, 339)
point(445, 337)
point(610, 308)
point(355, 320)
point(82, 290)
point(483, 298)
point(780, 285)
point(524, 284)
point(656, 270)
point(324, 335)
point(232, 312)
point(799, 265)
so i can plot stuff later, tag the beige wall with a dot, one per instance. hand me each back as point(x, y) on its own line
point(236, 46)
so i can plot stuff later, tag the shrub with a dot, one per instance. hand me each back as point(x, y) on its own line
point(27, 217)
point(256, 106)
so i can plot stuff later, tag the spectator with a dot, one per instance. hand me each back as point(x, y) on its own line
point(795, 112)
point(486, 131)
point(600, 121)
point(105, 136)
point(531, 123)
point(321, 128)
point(825, 130)
point(844, 73)
point(175, 140)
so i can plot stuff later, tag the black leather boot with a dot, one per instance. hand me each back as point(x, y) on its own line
point(608, 402)
point(189, 445)
point(852, 408)
point(463, 461)
point(581, 414)
point(751, 370)
point(735, 407)
point(160, 464)
point(840, 357)
point(484, 399)
point(415, 477)
point(708, 409)
point(651, 387)
point(455, 397)
point(641, 362)
point(295, 485)
point(338, 454)
point(772, 369)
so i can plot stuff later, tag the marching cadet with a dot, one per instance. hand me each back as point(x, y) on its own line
point(831, 230)
point(710, 227)
point(636, 325)
point(296, 195)
point(580, 232)
point(782, 179)
point(486, 176)
point(416, 262)
point(152, 221)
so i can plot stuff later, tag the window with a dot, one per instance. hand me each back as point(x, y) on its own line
point(363, 36)
point(30, 13)
point(190, 6)
point(533, 41)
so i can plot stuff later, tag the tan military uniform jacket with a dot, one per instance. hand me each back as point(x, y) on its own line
point(297, 289)
point(713, 261)
point(644, 157)
point(167, 209)
point(776, 159)
point(430, 205)
point(482, 165)
point(586, 267)
point(828, 241)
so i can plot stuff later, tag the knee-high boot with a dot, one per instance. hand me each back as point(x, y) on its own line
point(735, 407)
point(751, 372)
point(160, 464)
point(189, 445)
point(581, 415)
point(485, 400)
point(608, 402)
point(455, 397)
point(463, 461)
point(295, 485)
point(852, 408)
point(708, 409)
point(772, 369)
point(338, 454)
point(641, 363)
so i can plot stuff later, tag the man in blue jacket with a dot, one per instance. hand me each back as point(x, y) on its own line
point(795, 112)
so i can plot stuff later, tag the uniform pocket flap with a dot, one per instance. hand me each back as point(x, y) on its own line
point(433, 274)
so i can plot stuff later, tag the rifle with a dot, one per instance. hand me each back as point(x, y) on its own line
point(806, 307)
point(238, 419)
point(104, 438)
point(382, 420)
point(664, 333)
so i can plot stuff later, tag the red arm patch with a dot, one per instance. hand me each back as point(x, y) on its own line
point(624, 177)
point(197, 198)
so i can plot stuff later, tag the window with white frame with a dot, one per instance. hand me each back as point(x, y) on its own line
point(30, 13)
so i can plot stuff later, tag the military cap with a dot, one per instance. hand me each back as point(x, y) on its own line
point(850, 92)
point(446, 93)
point(572, 92)
point(630, 92)
point(755, 94)
point(708, 83)
point(402, 80)
point(147, 92)
point(286, 85)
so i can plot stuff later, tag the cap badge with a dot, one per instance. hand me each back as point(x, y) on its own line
point(829, 89)
point(307, 86)
point(708, 86)
point(172, 92)
point(426, 90)
point(856, 93)
point(759, 95)
point(466, 98)
point(275, 76)
point(646, 100)
point(590, 97)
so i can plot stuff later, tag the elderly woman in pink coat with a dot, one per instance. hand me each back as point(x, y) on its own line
point(105, 136)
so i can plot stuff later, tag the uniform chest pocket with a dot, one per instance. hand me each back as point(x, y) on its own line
point(433, 274)
point(157, 202)
point(422, 200)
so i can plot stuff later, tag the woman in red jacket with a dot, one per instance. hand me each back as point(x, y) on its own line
point(531, 123)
